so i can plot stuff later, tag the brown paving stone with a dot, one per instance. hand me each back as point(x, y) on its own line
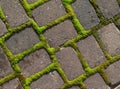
point(49, 81)
point(110, 36)
point(14, 12)
point(95, 82)
point(48, 12)
point(91, 51)
point(59, 34)
point(22, 40)
point(35, 62)
point(3, 29)
point(109, 8)
point(69, 62)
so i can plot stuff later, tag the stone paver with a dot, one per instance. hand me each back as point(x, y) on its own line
point(35, 61)
point(3, 29)
point(110, 36)
point(57, 35)
point(87, 17)
point(69, 61)
point(91, 51)
point(74, 87)
point(31, 1)
point(51, 81)
point(48, 12)
point(22, 40)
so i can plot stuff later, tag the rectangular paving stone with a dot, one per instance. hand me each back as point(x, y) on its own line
point(14, 12)
point(48, 81)
point(23, 40)
point(31, 1)
point(48, 12)
point(69, 62)
point(85, 13)
point(91, 51)
point(110, 36)
point(60, 33)
point(34, 62)
point(109, 8)
point(3, 29)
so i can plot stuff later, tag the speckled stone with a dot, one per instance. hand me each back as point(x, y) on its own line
point(3, 29)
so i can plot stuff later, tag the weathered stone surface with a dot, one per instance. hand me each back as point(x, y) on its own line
point(87, 17)
point(31, 1)
point(22, 40)
point(69, 61)
point(3, 29)
point(35, 61)
point(14, 12)
point(48, 12)
point(109, 8)
point(91, 51)
point(49, 81)
point(59, 34)
point(110, 36)
point(74, 87)
point(95, 82)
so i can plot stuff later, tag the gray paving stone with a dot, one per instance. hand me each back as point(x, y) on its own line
point(49, 81)
point(109, 8)
point(48, 12)
point(110, 36)
point(34, 62)
point(91, 51)
point(87, 17)
point(22, 40)
point(69, 62)
point(74, 87)
point(5, 67)
point(95, 82)
point(3, 29)
point(31, 1)
point(59, 34)
point(14, 12)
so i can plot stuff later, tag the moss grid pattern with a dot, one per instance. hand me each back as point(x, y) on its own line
point(82, 33)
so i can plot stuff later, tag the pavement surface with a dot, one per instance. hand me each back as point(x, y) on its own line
point(59, 44)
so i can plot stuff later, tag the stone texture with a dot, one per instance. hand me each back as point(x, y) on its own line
point(113, 72)
point(118, 87)
point(49, 81)
point(69, 62)
point(109, 8)
point(110, 36)
point(48, 12)
point(74, 87)
point(22, 40)
point(5, 67)
point(87, 17)
point(31, 1)
point(95, 82)
point(14, 12)
point(59, 34)
point(3, 29)
point(91, 51)
point(35, 61)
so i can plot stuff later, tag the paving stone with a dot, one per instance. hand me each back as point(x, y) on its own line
point(5, 67)
point(3, 29)
point(69, 62)
point(49, 81)
point(22, 40)
point(110, 9)
point(14, 12)
point(95, 82)
point(110, 36)
point(113, 72)
point(35, 61)
point(48, 12)
point(31, 1)
point(59, 34)
point(87, 17)
point(91, 51)
point(74, 87)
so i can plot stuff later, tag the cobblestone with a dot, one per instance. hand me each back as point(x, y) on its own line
point(74, 87)
point(31, 1)
point(3, 29)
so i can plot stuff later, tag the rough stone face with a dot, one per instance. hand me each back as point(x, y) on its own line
point(91, 51)
point(48, 12)
point(87, 17)
point(74, 87)
point(14, 12)
point(35, 61)
point(22, 40)
point(95, 82)
point(49, 81)
point(59, 34)
point(109, 8)
point(69, 62)
point(3, 29)
point(110, 36)
point(31, 1)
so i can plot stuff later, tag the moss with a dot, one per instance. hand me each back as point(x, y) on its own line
point(2, 16)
